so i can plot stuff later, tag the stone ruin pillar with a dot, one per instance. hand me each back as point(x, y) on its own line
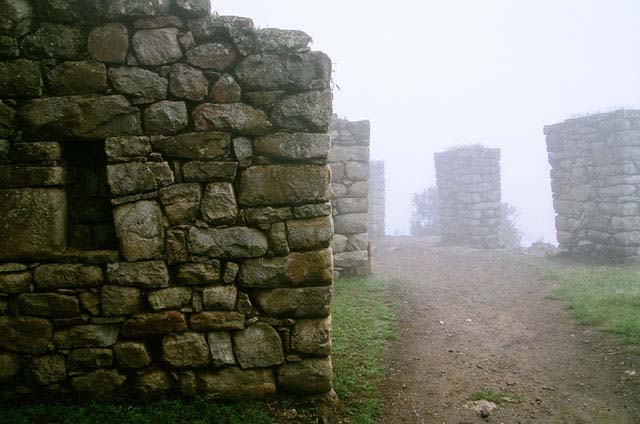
point(468, 182)
point(349, 160)
point(595, 179)
point(376, 199)
point(165, 215)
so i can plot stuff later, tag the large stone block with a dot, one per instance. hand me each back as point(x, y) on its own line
point(170, 298)
point(295, 270)
point(109, 43)
point(220, 348)
point(196, 146)
point(203, 273)
point(294, 146)
point(137, 8)
point(186, 350)
point(12, 176)
point(310, 111)
point(15, 283)
point(138, 177)
point(155, 47)
point(58, 276)
point(33, 223)
point(216, 56)
point(234, 383)
point(217, 321)
point(20, 78)
point(152, 383)
point(77, 78)
point(91, 358)
point(220, 298)
point(218, 205)
point(25, 334)
point(282, 184)
point(53, 41)
point(166, 117)
point(258, 346)
point(181, 203)
point(285, 72)
point(48, 305)
point(139, 230)
point(9, 366)
point(16, 17)
point(236, 117)
point(307, 234)
point(234, 242)
point(312, 337)
point(86, 336)
point(155, 323)
point(352, 223)
point(209, 171)
point(151, 274)
point(132, 355)
point(127, 147)
point(118, 300)
point(282, 40)
point(138, 82)
point(188, 83)
point(307, 377)
point(98, 384)
point(310, 302)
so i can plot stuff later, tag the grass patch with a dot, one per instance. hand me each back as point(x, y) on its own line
point(603, 296)
point(495, 397)
point(363, 323)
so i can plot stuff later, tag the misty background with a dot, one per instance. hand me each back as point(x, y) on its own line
point(433, 74)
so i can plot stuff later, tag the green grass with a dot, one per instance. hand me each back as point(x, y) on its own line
point(363, 323)
point(603, 296)
point(495, 397)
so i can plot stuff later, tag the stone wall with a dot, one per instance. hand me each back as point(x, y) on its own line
point(468, 182)
point(376, 199)
point(349, 160)
point(165, 215)
point(595, 178)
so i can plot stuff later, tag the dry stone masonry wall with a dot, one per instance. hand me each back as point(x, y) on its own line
point(468, 182)
point(595, 178)
point(376, 199)
point(349, 160)
point(165, 215)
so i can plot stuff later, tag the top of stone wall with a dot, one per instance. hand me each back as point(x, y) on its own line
point(475, 151)
point(619, 120)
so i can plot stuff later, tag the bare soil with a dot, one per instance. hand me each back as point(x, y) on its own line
point(473, 320)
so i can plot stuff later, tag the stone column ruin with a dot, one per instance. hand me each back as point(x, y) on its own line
point(376, 199)
point(595, 179)
point(165, 215)
point(468, 183)
point(349, 160)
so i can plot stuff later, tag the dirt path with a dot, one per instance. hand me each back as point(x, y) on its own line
point(473, 320)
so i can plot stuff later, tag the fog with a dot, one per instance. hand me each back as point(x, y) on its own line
point(433, 74)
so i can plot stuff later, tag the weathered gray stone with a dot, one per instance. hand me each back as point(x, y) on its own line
point(209, 171)
point(138, 177)
point(48, 305)
point(137, 8)
point(16, 17)
point(352, 205)
point(188, 83)
point(266, 216)
point(239, 30)
point(77, 78)
point(12, 176)
point(98, 384)
point(216, 321)
point(295, 270)
point(37, 152)
point(310, 111)
point(118, 300)
point(236, 117)
point(281, 184)
point(357, 171)
point(185, 350)
point(109, 43)
point(80, 117)
point(15, 283)
point(156, 46)
point(226, 90)
point(294, 146)
point(166, 117)
point(181, 203)
point(219, 204)
point(312, 337)
point(348, 153)
point(86, 336)
point(311, 302)
point(20, 78)
point(196, 146)
point(230, 272)
point(139, 229)
point(33, 223)
point(264, 99)
point(53, 41)
point(151, 274)
point(48, 369)
point(216, 56)
point(285, 72)
point(194, 8)
point(170, 298)
point(307, 377)
point(204, 273)
point(138, 82)
point(176, 250)
point(242, 149)
point(235, 242)
point(70, 11)
point(307, 234)
point(153, 383)
point(25, 334)
point(353, 223)
point(155, 323)
point(127, 147)
point(132, 355)
point(234, 383)
point(220, 298)
point(311, 211)
point(220, 348)
point(278, 239)
point(280, 40)
point(58, 276)
point(358, 242)
point(91, 358)
point(258, 346)
point(10, 365)
point(350, 259)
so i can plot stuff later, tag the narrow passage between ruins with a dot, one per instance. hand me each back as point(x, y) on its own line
point(472, 320)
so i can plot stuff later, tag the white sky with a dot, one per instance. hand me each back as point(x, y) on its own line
point(434, 74)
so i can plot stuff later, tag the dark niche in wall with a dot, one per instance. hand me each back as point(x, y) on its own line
point(90, 216)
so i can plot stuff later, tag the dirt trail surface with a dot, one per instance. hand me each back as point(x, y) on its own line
point(475, 320)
